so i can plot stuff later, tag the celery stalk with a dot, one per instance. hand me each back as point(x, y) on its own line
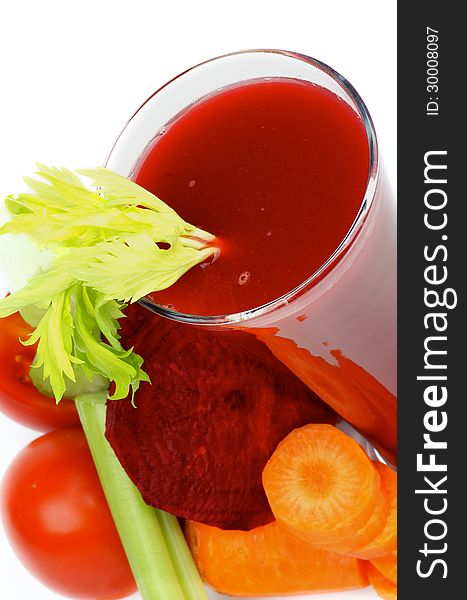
point(185, 568)
point(157, 564)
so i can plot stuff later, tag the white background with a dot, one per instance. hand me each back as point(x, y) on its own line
point(73, 72)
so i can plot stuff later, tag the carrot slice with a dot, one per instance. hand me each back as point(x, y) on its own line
point(373, 527)
point(268, 560)
point(383, 587)
point(386, 541)
point(320, 484)
point(387, 566)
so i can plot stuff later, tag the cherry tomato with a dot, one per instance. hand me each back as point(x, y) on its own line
point(57, 519)
point(19, 399)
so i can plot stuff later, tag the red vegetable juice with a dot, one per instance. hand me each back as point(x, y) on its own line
point(278, 169)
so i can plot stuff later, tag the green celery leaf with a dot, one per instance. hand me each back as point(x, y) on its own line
point(41, 288)
point(141, 265)
point(116, 364)
point(122, 192)
point(107, 314)
point(55, 348)
point(106, 246)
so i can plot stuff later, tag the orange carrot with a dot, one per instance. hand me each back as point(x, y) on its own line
point(373, 527)
point(387, 566)
point(268, 560)
point(321, 485)
point(386, 541)
point(383, 587)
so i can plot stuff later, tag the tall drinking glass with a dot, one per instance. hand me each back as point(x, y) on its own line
point(337, 329)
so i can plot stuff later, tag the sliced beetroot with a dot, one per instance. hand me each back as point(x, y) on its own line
point(200, 435)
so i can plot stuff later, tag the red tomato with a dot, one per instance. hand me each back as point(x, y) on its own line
point(58, 522)
point(19, 399)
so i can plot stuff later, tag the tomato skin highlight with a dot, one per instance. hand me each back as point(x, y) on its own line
point(19, 399)
point(57, 519)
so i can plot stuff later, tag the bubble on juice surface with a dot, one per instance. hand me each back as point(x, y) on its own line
point(244, 277)
point(192, 183)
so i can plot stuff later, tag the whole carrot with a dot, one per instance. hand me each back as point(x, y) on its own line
point(269, 560)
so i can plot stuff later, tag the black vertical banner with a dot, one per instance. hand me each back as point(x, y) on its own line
point(432, 329)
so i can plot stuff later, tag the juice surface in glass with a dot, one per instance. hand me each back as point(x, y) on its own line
point(278, 170)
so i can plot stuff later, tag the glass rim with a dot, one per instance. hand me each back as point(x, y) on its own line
point(350, 236)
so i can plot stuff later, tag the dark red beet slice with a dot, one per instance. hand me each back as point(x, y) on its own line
point(200, 435)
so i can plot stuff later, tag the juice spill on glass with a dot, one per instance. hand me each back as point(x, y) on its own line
point(280, 170)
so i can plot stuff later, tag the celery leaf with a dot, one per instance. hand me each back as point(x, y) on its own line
point(111, 245)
